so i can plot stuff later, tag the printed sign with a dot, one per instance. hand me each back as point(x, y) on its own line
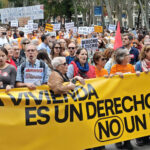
point(98, 29)
point(104, 110)
point(23, 21)
point(14, 23)
point(35, 26)
point(33, 75)
point(90, 44)
point(33, 12)
point(49, 27)
point(69, 25)
point(83, 30)
point(112, 27)
point(56, 27)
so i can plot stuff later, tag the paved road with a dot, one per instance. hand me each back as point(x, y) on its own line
point(112, 147)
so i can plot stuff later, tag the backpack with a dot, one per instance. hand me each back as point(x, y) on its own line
point(23, 65)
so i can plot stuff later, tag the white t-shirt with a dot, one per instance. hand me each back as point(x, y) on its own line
point(3, 41)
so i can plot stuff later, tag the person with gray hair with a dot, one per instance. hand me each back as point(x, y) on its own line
point(122, 66)
point(122, 59)
point(58, 77)
point(32, 72)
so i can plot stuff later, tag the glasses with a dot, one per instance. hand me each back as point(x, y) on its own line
point(64, 64)
point(71, 47)
point(26, 43)
point(31, 50)
point(103, 59)
point(125, 39)
point(58, 47)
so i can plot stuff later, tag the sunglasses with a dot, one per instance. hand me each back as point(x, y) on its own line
point(71, 47)
point(58, 47)
point(26, 43)
point(64, 64)
point(103, 59)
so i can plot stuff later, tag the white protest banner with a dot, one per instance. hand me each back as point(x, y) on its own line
point(14, 23)
point(75, 30)
point(52, 33)
point(90, 44)
point(83, 30)
point(112, 27)
point(69, 25)
point(30, 22)
point(91, 29)
point(35, 26)
point(33, 75)
point(33, 12)
point(56, 27)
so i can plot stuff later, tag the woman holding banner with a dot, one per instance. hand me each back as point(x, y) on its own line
point(80, 66)
point(122, 66)
point(7, 72)
point(58, 77)
point(100, 61)
point(143, 65)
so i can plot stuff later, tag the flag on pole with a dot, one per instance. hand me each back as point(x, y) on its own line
point(118, 40)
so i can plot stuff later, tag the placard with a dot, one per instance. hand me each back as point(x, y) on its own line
point(90, 44)
point(14, 23)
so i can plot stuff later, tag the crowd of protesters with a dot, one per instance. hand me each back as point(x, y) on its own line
point(62, 59)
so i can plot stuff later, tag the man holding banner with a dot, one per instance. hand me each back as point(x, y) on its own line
point(32, 72)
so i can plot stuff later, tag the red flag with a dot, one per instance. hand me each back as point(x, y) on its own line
point(118, 40)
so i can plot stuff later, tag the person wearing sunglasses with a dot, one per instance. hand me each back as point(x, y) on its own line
point(24, 42)
point(99, 61)
point(72, 50)
point(56, 50)
point(59, 76)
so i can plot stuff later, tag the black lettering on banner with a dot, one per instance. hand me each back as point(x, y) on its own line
point(141, 102)
point(147, 99)
point(91, 91)
point(124, 106)
point(138, 122)
point(38, 101)
point(1, 103)
point(85, 94)
point(16, 101)
point(104, 130)
point(117, 105)
point(99, 108)
point(134, 123)
point(112, 131)
point(109, 107)
point(65, 98)
point(46, 116)
point(73, 111)
point(47, 95)
point(54, 96)
point(27, 98)
point(89, 106)
point(57, 110)
point(28, 116)
point(108, 128)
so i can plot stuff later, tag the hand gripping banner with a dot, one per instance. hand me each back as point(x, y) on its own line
point(104, 111)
